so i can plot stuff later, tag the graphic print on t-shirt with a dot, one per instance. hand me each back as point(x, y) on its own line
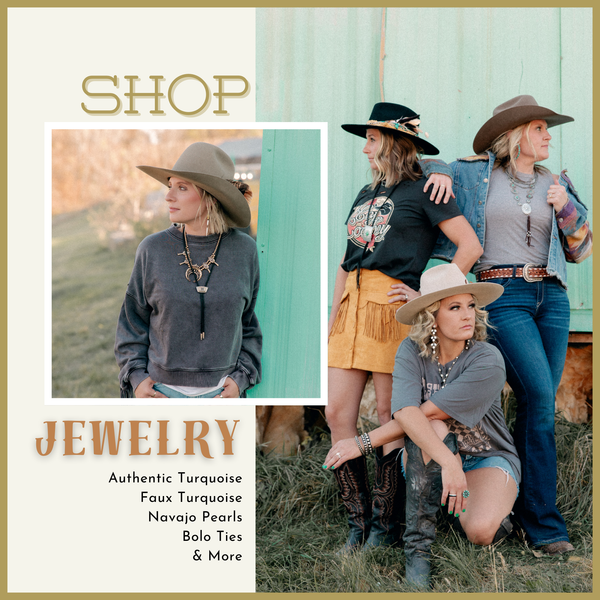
point(375, 214)
point(470, 440)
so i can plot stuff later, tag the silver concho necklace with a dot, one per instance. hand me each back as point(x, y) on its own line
point(525, 205)
point(527, 186)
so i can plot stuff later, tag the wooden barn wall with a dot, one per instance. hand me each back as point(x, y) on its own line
point(451, 65)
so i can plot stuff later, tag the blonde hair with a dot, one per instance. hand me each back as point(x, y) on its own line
point(217, 223)
point(506, 147)
point(425, 320)
point(396, 159)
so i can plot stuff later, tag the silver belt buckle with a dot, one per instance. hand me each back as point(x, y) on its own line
point(526, 276)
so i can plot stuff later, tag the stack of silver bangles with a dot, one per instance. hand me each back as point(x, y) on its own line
point(366, 447)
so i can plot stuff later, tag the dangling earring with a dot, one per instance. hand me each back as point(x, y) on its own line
point(433, 340)
point(207, 218)
point(519, 153)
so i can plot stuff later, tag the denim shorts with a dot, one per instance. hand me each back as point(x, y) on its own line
point(171, 393)
point(470, 463)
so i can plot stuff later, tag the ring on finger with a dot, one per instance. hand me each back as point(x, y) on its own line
point(338, 455)
point(451, 495)
point(466, 494)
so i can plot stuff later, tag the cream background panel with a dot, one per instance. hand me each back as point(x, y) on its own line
point(66, 524)
point(72, 531)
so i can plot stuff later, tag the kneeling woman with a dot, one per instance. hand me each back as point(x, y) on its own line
point(187, 327)
point(459, 453)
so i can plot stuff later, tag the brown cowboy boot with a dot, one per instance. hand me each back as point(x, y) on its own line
point(389, 498)
point(355, 494)
point(424, 485)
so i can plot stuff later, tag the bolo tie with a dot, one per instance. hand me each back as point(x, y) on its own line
point(370, 230)
point(196, 272)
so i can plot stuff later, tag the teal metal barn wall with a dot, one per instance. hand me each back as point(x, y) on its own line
point(453, 66)
point(288, 247)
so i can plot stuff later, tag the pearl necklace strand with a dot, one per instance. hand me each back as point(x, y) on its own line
point(444, 377)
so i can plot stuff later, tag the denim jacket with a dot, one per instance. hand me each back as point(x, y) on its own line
point(571, 237)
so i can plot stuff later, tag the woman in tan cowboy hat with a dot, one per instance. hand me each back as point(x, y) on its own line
point(447, 400)
point(530, 224)
point(392, 228)
point(187, 328)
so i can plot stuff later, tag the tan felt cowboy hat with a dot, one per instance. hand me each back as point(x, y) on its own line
point(209, 168)
point(442, 282)
point(511, 114)
point(397, 119)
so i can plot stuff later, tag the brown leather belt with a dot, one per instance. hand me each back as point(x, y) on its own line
point(528, 272)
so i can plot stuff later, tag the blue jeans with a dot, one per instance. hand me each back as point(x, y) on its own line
point(171, 393)
point(531, 323)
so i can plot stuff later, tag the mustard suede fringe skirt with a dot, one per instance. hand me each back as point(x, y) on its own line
point(365, 334)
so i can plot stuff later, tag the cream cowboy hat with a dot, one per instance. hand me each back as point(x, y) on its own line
point(442, 282)
point(511, 114)
point(209, 168)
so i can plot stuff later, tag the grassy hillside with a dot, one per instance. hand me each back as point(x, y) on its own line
point(88, 286)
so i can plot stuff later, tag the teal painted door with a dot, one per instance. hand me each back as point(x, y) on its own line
point(288, 239)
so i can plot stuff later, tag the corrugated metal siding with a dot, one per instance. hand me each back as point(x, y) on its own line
point(453, 66)
point(288, 251)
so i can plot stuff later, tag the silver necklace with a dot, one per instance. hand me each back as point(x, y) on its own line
point(367, 233)
point(444, 376)
point(514, 183)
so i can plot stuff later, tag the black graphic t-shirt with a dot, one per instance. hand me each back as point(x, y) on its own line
point(471, 397)
point(403, 223)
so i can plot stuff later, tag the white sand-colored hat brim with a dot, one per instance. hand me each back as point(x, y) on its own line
point(442, 282)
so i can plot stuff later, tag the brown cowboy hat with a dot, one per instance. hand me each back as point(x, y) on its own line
point(397, 119)
point(209, 168)
point(511, 114)
point(442, 282)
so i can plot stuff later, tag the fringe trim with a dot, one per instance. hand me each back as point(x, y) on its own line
point(381, 324)
point(340, 319)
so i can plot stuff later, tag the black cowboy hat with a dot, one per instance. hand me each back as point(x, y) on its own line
point(398, 119)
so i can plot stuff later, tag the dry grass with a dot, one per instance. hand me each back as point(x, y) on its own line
point(301, 523)
point(88, 287)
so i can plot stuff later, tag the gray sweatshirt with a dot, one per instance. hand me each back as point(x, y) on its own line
point(158, 333)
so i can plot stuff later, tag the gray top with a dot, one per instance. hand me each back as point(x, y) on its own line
point(506, 223)
point(471, 397)
point(158, 333)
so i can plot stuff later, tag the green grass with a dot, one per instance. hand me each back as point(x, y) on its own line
point(88, 286)
point(301, 524)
